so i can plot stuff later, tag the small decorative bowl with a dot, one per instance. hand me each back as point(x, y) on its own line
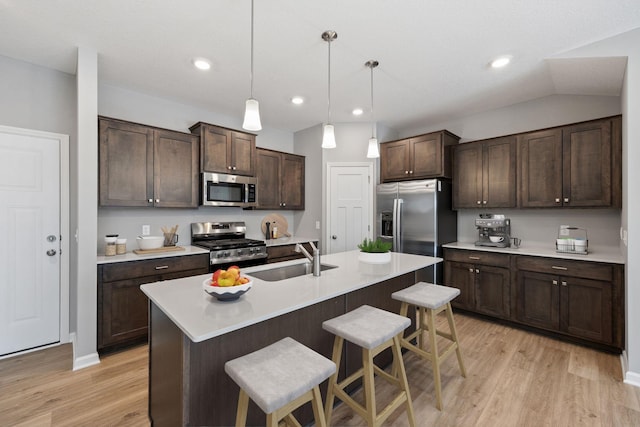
point(226, 293)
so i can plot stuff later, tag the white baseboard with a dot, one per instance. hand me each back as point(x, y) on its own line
point(82, 361)
point(631, 378)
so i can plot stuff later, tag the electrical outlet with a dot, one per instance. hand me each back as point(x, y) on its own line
point(317, 225)
point(146, 230)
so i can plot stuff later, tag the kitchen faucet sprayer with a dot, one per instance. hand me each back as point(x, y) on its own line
point(315, 258)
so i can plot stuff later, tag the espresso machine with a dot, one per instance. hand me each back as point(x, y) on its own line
point(493, 230)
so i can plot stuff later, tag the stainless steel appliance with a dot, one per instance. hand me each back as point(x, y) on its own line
point(416, 217)
point(227, 244)
point(493, 230)
point(228, 190)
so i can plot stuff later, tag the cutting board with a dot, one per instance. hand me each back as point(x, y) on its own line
point(281, 223)
point(158, 250)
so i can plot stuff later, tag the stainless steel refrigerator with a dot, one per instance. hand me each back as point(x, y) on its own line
point(416, 217)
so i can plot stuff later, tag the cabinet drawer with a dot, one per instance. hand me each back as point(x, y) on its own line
point(477, 257)
point(564, 267)
point(127, 270)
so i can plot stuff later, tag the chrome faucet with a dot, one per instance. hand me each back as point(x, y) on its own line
point(315, 258)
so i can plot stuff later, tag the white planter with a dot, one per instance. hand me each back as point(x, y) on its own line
point(375, 257)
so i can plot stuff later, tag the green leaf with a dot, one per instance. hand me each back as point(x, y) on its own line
point(377, 246)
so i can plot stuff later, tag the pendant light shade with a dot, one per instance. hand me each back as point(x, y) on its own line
point(252, 115)
point(252, 108)
point(328, 134)
point(373, 150)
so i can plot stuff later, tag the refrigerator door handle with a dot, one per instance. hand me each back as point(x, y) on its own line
point(397, 223)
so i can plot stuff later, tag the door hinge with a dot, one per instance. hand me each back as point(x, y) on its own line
point(368, 228)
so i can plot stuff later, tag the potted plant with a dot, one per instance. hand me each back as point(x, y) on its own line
point(375, 252)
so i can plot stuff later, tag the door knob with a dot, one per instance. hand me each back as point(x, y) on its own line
point(334, 237)
point(51, 252)
point(51, 238)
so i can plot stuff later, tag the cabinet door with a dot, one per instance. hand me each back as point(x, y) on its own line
point(499, 173)
point(587, 175)
point(126, 164)
point(493, 295)
point(292, 187)
point(538, 300)
point(215, 149)
point(269, 174)
point(175, 170)
point(462, 276)
point(467, 176)
point(243, 149)
point(540, 168)
point(123, 315)
point(426, 153)
point(394, 160)
point(586, 308)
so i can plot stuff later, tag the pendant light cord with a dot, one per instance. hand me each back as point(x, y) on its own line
point(329, 87)
point(251, 73)
point(373, 122)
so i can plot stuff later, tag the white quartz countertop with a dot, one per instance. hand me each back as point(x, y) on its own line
point(607, 254)
point(130, 256)
point(201, 316)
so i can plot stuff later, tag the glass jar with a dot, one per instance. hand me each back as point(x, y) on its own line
point(110, 245)
point(121, 246)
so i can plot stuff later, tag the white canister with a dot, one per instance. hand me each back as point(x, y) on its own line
point(121, 246)
point(110, 245)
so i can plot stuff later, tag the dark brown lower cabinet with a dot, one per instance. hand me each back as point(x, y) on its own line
point(123, 307)
point(484, 280)
point(577, 300)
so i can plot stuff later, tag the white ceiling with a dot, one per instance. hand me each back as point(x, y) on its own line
point(433, 54)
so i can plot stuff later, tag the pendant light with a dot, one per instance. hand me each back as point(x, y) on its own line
point(328, 134)
point(252, 108)
point(373, 151)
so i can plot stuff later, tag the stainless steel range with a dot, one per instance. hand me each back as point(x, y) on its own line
point(227, 244)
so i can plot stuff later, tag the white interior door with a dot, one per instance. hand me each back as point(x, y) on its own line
point(30, 252)
point(350, 206)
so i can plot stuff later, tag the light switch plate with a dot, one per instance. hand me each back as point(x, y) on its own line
point(146, 230)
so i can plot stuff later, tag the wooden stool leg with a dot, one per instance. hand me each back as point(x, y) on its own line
point(318, 410)
point(402, 376)
point(435, 359)
point(421, 325)
point(333, 380)
point(369, 387)
point(454, 335)
point(243, 407)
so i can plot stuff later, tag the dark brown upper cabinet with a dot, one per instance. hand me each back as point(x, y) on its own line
point(225, 150)
point(418, 157)
point(484, 174)
point(576, 165)
point(280, 180)
point(145, 166)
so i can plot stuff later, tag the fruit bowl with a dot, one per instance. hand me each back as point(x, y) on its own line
point(226, 293)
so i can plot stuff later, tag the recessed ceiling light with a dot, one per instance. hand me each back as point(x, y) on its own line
point(201, 63)
point(500, 62)
point(297, 100)
point(357, 111)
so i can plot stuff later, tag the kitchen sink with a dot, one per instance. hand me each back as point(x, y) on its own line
point(282, 273)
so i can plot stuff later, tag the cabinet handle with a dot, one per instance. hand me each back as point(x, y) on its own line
point(478, 202)
point(150, 200)
point(563, 283)
point(477, 271)
point(555, 282)
point(229, 167)
point(162, 267)
point(557, 199)
point(566, 200)
point(157, 200)
point(410, 172)
point(470, 270)
point(555, 267)
point(406, 172)
point(484, 202)
point(474, 257)
point(234, 168)
point(284, 204)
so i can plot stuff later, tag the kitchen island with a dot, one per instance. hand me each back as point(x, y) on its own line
point(192, 334)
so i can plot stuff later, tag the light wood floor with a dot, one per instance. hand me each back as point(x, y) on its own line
point(514, 378)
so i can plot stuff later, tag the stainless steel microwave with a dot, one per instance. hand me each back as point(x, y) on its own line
point(228, 190)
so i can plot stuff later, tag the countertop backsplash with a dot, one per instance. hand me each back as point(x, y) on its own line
point(540, 226)
point(128, 222)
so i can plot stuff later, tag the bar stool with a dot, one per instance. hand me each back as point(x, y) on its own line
point(280, 378)
point(374, 330)
point(429, 300)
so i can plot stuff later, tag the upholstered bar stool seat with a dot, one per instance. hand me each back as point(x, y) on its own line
point(280, 378)
point(374, 330)
point(429, 300)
